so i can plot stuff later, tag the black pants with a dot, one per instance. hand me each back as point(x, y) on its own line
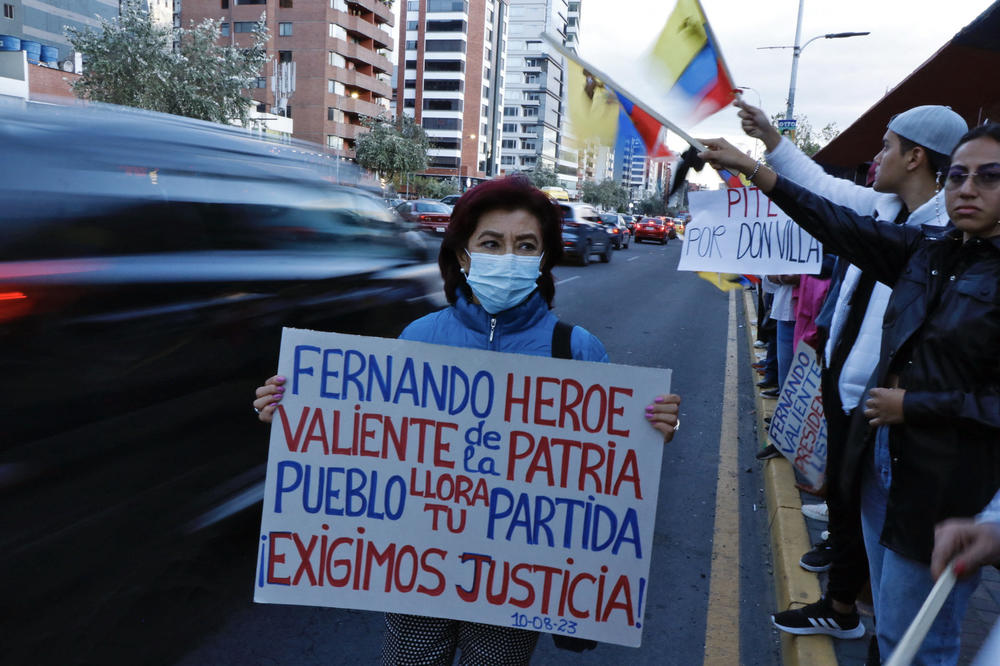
point(849, 563)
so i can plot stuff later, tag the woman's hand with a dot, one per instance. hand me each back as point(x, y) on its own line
point(884, 406)
point(662, 415)
point(972, 545)
point(721, 154)
point(756, 124)
point(268, 397)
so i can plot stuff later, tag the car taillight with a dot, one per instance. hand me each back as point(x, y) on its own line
point(423, 218)
point(13, 304)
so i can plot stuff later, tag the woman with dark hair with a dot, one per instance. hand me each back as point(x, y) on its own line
point(926, 446)
point(496, 259)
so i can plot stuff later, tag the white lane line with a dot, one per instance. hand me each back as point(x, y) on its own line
point(569, 279)
point(631, 258)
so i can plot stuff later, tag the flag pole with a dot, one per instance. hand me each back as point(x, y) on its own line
point(570, 55)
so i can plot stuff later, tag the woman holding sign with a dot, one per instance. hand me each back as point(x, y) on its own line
point(496, 259)
point(926, 446)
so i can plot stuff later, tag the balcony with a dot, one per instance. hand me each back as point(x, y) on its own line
point(351, 105)
point(345, 130)
point(362, 53)
point(357, 24)
point(354, 78)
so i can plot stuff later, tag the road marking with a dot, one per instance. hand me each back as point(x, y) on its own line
point(722, 627)
point(569, 279)
point(631, 258)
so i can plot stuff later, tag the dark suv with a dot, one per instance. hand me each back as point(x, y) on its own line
point(583, 233)
point(147, 266)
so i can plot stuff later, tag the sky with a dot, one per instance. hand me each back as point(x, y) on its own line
point(838, 79)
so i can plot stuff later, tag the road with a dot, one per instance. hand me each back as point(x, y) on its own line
point(710, 577)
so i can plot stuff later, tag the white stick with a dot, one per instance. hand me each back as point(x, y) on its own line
point(570, 55)
point(921, 624)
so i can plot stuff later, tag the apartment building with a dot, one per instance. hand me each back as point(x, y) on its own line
point(533, 89)
point(330, 64)
point(44, 21)
point(450, 80)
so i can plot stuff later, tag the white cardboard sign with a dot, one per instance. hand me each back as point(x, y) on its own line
point(798, 425)
point(500, 488)
point(740, 230)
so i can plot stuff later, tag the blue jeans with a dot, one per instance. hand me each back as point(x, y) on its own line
point(786, 334)
point(899, 584)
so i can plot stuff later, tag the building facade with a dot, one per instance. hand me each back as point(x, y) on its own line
point(330, 61)
point(45, 21)
point(533, 89)
point(450, 81)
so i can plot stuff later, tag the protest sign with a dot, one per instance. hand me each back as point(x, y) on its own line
point(739, 230)
point(500, 488)
point(798, 426)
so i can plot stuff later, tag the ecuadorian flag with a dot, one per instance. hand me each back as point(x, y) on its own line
point(652, 133)
point(686, 60)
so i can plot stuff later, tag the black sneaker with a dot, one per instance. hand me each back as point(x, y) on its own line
point(768, 452)
point(818, 559)
point(819, 618)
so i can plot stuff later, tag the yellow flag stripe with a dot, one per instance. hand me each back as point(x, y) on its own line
point(682, 38)
point(593, 109)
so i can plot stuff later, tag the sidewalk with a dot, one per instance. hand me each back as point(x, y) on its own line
point(792, 535)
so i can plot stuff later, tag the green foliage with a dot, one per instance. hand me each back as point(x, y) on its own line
point(653, 205)
point(132, 61)
point(392, 147)
point(607, 194)
point(543, 176)
point(808, 140)
point(434, 188)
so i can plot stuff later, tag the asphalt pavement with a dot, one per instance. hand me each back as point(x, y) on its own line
point(647, 314)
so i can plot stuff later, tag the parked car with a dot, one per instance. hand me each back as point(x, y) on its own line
point(583, 234)
point(147, 266)
point(651, 228)
point(617, 229)
point(451, 199)
point(432, 216)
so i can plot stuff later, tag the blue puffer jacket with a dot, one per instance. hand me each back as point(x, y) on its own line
point(523, 329)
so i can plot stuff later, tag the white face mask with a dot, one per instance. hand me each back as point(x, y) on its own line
point(501, 281)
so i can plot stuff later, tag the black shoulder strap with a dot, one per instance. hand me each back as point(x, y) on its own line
point(561, 335)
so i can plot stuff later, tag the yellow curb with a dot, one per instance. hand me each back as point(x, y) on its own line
point(793, 585)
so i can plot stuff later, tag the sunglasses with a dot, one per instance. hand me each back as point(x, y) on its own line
point(987, 178)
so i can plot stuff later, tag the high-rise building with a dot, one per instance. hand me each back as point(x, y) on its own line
point(330, 63)
point(569, 167)
point(450, 80)
point(45, 21)
point(630, 167)
point(533, 90)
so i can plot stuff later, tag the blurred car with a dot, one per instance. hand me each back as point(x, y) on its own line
point(651, 228)
point(147, 266)
point(393, 202)
point(583, 233)
point(430, 215)
point(631, 221)
point(450, 200)
point(617, 229)
point(679, 225)
point(668, 222)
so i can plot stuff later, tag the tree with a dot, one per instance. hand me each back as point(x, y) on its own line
point(607, 194)
point(133, 61)
point(653, 206)
point(392, 147)
point(543, 176)
point(808, 140)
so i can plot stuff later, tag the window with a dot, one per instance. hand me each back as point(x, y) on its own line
point(443, 162)
point(445, 45)
point(285, 29)
point(446, 5)
point(528, 160)
point(508, 143)
point(507, 159)
point(442, 123)
point(413, 6)
point(285, 4)
point(409, 103)
point(442, 65)
point(411, 45)
point(443, 85)
point(509, 111)
point(443, 143)
point(410, 64)
point(486, 110)
point(284, 56)
point(446, 26)
point(335, 142)
point(250, 2)
point(244, 26)
point(224, 29)
point(510, 127)
point(486, 92)
point(530, 111)
point(335, 87)
point(260, 82)
point(337, 60)
point(262, 108)
point(340, 5)
point(442, 105)
point(410, 83)
point(532, 62)
point(531, 77)
point(532, 96)
point(225, 4)
point(334, 115)
point(528, 145)
point(337, 32)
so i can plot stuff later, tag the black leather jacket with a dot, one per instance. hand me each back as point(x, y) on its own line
point(941, 337)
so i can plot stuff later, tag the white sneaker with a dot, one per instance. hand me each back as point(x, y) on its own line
point(816, 511)
point(759, 344)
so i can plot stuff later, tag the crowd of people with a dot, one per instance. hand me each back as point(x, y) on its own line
point(905, 321)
